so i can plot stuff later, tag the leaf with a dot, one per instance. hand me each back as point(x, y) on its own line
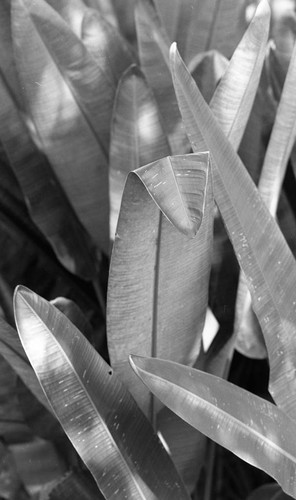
point(252, 428)
point(270, 491)
point(137, 137)
point(47, 204)
point(107, 46)
point(207, 70)
point(105, 7)
point(261, 249)
point(99, 416)
point(157, 262)
point(68, 106)
point(154, 57)
point(75, 485)
point(273, 171)
point(13, 352)
point(202, 25)
point(239, 85)
point(72, 11)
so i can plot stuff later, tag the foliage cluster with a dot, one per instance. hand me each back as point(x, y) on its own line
point(148, 196)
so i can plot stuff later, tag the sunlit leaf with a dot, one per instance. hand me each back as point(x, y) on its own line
point(69, 109)
point(276, 158)
point(154, 57)
point(261, 249)
point(107, 46)
point(137, 137)
point(47, 204)
point(99, 416)
point(251, 427)
point(198, 26)
point(156, 262)
point(72, 11)
point(105, 7)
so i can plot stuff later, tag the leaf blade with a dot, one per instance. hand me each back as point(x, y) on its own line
point(242, 422)
point(81, 386)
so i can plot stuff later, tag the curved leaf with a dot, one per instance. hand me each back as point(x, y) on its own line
point(47, 204)
point(272, 175)
point(137, 137)
point(64, 98)
point(270, 491)
point(157, 263)
point(154, 57)
point(198, 26)
point(230, 105)
point(99, 416)
point(261, 249)
point(252, 428)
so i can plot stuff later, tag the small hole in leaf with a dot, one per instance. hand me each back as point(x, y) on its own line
point(110, 372)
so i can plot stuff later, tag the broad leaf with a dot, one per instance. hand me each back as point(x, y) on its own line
point(198, 26)
point(65, 99)
point(273, 171)
point(156, 262)
point(251, 427)
point(270, 491)
point(261, 249)
point(99, 416)
point(154, 57)
point(137, 137)
point(47, 204)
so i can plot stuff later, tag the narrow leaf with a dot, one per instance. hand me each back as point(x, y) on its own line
point(99, 416)
point(261, 249)
point(273, 171)
point(61, 84)
point(156, 262)
point(251, 427)
point(154, 57)
point(137, 137)
point(47, 204)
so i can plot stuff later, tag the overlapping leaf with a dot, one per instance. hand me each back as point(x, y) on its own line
point(69, 107)
point(161, 266)
point(274, 167)
point(261, 249)
point(154, 57)
point(47, 204)
point(101, 419)
point(137, 137)
point(251, 427)
point(72, 11)
point(198, 26)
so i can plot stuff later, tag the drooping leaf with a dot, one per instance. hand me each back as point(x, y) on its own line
point(156, 262)
point(47, 204)
point(273, 171)
point(154, 58)
point(198, 26)
point(68, 107)
point(251, 427)
point(99, 416)
point(107, 46)
point(137, 137)
point(261, 249)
